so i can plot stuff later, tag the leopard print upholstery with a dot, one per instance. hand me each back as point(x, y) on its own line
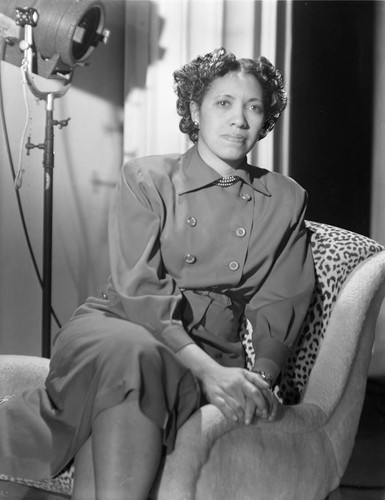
point(61, 484)
point(336, 252)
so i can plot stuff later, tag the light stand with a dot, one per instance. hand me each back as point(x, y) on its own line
point(28, 18)
point(62, 54)
point(48, 164)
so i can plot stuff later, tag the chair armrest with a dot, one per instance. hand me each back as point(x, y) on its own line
point(18, 373)
point(304, 453)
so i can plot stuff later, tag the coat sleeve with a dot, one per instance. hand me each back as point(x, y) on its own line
point(278, 309)
point(149, 296)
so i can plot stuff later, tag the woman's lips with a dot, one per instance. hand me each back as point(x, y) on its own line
point(238, 139)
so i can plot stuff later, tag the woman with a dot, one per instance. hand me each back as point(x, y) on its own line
point(196, 241)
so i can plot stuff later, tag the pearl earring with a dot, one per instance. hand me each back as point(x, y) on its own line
point(196, 124)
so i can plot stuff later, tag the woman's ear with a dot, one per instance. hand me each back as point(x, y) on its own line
point(194, 111)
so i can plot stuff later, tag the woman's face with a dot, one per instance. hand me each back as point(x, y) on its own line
point(230, 118)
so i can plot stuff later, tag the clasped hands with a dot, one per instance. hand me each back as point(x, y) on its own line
point(240, 394)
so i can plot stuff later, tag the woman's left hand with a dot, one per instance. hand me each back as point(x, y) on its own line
point(272, 404)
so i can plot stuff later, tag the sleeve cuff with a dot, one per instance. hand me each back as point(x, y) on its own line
point(267, 365)
point(271, 356)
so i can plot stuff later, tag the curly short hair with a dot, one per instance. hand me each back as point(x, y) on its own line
point(192, 81)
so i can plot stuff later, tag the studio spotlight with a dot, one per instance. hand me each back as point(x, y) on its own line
point(48, 39)
point(65, 32)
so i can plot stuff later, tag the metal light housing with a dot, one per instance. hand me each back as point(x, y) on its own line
point(65, 34)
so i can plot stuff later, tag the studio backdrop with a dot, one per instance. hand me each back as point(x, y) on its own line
point(330, 138)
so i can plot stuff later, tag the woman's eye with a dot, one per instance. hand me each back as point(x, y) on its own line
point(223, 104)
point(256, 107)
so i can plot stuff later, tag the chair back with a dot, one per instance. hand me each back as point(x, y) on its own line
point(336, 252)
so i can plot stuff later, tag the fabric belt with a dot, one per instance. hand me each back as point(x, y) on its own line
point(212, 319)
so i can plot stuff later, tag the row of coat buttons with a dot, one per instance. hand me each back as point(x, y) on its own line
point(191, 221)
point(191, 259)
point(240, 232)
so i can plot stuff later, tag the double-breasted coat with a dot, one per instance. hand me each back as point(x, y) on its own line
point(188, 259)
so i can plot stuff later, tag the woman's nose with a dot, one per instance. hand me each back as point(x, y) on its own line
point(239, 118)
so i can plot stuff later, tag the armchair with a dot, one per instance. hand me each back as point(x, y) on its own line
point(304, 453)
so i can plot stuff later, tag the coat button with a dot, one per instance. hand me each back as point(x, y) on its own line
point(240, 232)
point(191, 221)
point(190, 259)
point(246, 196)
point(234, 266)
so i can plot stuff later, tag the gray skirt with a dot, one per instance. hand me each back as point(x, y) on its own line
point(98, 360)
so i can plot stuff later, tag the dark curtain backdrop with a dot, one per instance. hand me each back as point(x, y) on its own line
point(331, 109)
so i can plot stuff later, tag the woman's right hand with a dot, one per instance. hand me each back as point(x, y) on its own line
point(238, 393)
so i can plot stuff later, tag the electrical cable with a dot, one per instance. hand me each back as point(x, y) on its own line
point(17, 177)
point(20, 170)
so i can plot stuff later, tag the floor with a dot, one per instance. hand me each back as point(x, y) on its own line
point(365, 476)
point(363, 480)
point(358, 494)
